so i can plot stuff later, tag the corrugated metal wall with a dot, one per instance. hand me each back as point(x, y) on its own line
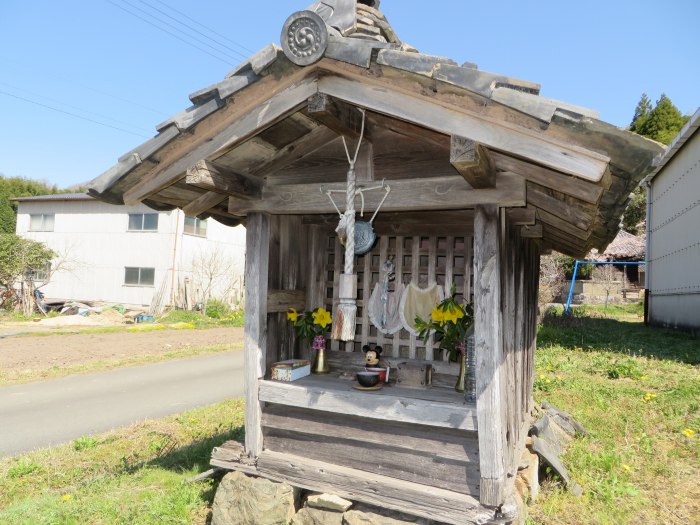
point(673, 228)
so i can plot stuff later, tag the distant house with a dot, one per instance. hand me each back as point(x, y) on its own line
point(673, 233)
point(131, 254)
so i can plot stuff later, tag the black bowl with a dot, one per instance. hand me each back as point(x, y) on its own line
point(368, 379)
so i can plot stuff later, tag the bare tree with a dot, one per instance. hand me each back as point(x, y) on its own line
point(551, 279)
point(213, 272)
point(608, 277)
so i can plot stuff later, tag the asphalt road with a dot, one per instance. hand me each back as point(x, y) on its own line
point(47, 413)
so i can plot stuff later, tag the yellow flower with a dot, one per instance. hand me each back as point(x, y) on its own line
point(454, 314)
point(66, 497)
point(558, 378)
point(292, 315)
point(322, 318)
point(626, 468)
point(542, 376)
point(689, 433)
point(438, 315)
point(643, 378)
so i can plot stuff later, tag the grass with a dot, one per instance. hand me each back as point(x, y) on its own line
point(137, 475)
point(637, 390)
point(172, 320)
point(14, 377)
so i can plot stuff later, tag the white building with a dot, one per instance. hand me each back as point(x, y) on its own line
point(132, 254)
point(673, 233)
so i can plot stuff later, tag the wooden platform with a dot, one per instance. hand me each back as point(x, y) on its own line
point(432, 407)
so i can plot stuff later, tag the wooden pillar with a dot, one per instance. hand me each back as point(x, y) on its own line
point(489, 355)
point(256, 274)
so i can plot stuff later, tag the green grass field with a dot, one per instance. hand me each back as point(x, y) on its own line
point(137, 475)
point(637, 390)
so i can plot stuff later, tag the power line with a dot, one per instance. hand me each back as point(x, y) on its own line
point(171, 33)
point(72, 83)
point(190, 28)
point(247, 50)
point(71, 106)
point(72, 114)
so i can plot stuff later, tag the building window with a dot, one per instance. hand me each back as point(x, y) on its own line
point(41, 222)
point(139, 276)
point(195, 226)
point(143, 222)
point(41, 274)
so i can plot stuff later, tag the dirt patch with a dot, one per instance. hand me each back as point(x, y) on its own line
point(44, 352)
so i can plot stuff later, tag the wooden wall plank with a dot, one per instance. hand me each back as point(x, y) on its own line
point(489, 354)
point(257, 243)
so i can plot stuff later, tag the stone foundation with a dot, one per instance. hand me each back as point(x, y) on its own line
point(247, 500)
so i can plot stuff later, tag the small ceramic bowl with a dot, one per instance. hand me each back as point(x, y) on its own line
point(368, 379)
point(380, 371)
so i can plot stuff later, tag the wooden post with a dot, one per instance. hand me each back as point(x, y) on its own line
point(256, 270)
point(489, 355)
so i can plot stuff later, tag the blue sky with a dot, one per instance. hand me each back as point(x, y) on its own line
point(91, 58)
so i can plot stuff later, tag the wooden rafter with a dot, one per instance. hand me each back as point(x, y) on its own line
point(342, 118)
point(208, 176)
point(473, 162)
point(239, 126)
point(528, 144)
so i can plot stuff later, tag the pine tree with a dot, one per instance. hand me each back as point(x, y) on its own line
point(662, 123)
point(641, 113)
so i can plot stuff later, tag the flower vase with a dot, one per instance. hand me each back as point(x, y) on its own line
point(462, 376)
point(320, 365)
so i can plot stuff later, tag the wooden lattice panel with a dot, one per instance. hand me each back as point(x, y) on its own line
point(421, 260)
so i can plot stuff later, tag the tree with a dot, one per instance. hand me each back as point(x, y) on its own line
point(13, 187)
point(18, 257)
point(662, 123)
point(641, 113)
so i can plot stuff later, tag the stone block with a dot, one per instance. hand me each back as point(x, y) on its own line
point(328, 502)
point(367, 515)
point(243, 500)
point(309, 516)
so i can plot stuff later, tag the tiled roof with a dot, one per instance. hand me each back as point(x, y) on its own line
point(56, 197)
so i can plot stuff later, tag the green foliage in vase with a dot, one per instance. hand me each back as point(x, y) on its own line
point(309, 324)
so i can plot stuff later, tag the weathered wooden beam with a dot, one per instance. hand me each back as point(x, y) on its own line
point(566, 227)
point(255, 348)
point(342, 118)
point(204, 203)
point(498, 135)
point(236, 127)
point(521, 216)
point(409, 130)
point(297, 150)
point(208, 176)
point(282, 300)
point(581, 189)
point(531, 232)
point(488, 329)
point(473, 162)
point(571, 210)
point(436, 193)
point(415, 498)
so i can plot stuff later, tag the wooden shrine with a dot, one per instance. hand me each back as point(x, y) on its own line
point(485, 175)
